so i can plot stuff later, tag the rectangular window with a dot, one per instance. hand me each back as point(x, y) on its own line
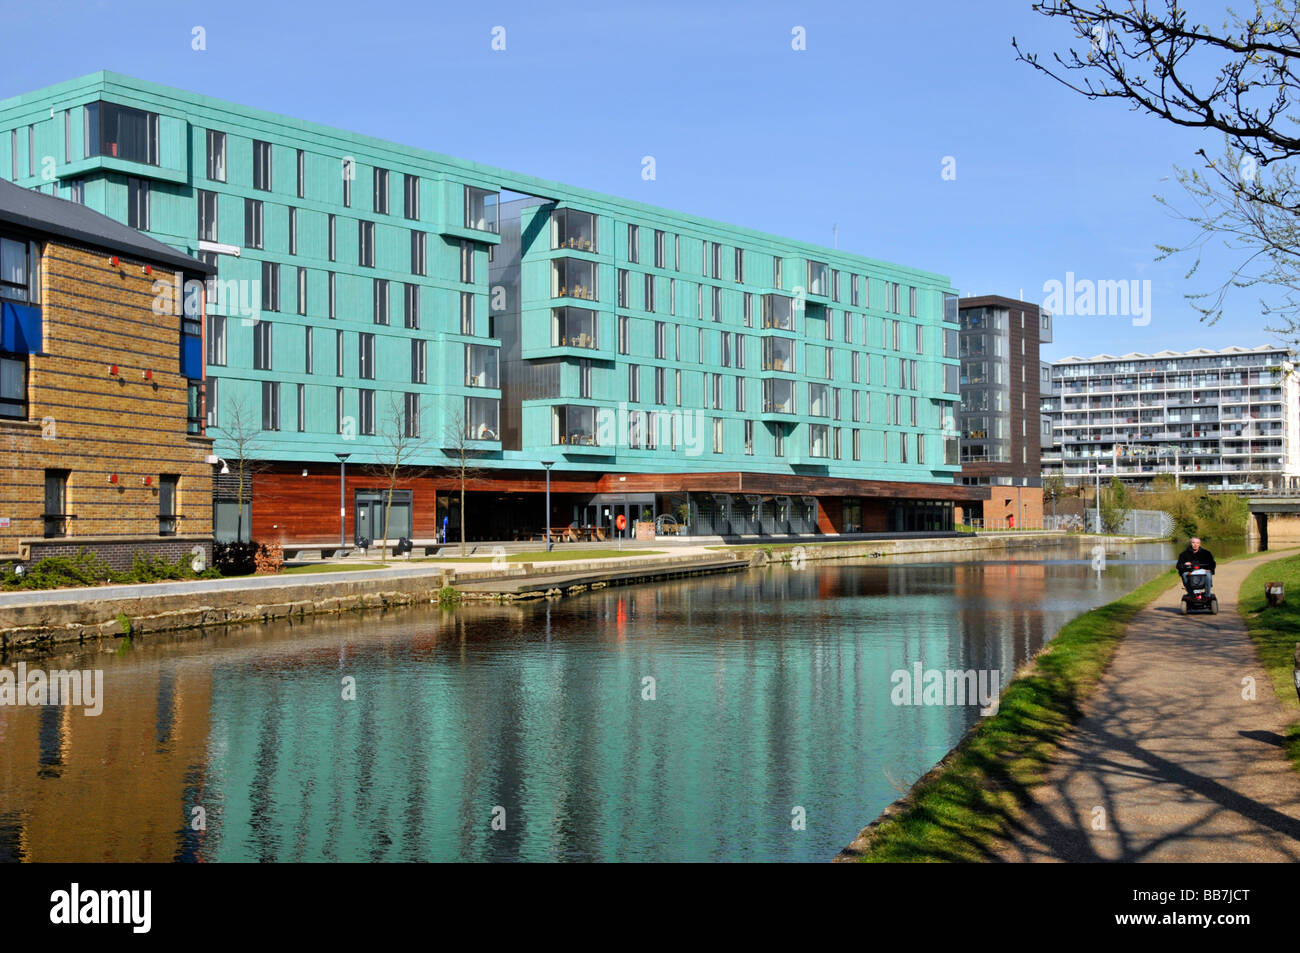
point(835, 285)
point(302, 291)
point(677, 253)
point(848, 328)
point(207, 202)
point(333, 296)
point(381, 191)
point(302, 174)
point(622, 334)
point(660, 386)
point(380, 301)
point(270, 405)
point(411, 415)
point(419, 253)
point(584, 379)
point(856, 363)
point(740, 395)
point(270, 286)
point(216, 156)
point(293, 231)
point(482, 366)
point(137, 208)
point(13, 386)
point(482, 210)
point(777, 269)
point(309, 349)
point(740, 266)
point(749, 309)
point(411, 306)
point(252, 223)
point(366, 356)
point(740, 351)
point(120, 132)
point(853, 293)
point(467, 312)
point(897, 336)
point(650, 293)
point(366, 401)
point(633, 244)
point(56, 503)
point(339, 355)
point(333, 238)
point(217, 339)
point(302, 407)
point(661, 340)
point(419, 361)
point(466, 262)
point(366, 244)
point(262, 345)
point(717, 391)
point(857, 445)
point(660, 250)
point(920, 339)
point(349, 173)
point(835, 442)
point(634, 383)
point(261, 165)
point(717, 304)
point(857, 406)
point(778, 440)
point(340, 410)
point(623, 280)
point(717, 259)
point(718, 444)
point(726, 348)
point(818, 440)
point(749, 438)
point(411, 196)
point(911, 302)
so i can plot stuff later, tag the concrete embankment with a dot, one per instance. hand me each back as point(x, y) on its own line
point(30, 618)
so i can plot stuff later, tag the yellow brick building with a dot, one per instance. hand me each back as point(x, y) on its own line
point(101, 382)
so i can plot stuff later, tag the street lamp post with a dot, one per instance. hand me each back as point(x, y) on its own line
point(546, 524)
point(1098, 500)
point(343, 506)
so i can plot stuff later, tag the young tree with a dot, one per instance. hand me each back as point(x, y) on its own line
point(241, 432)
point(459, 445)
point(402, 441)
point(1240, 80)
point(1053, 490)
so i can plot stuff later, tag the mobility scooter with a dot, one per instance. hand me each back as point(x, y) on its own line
point(1199, 598)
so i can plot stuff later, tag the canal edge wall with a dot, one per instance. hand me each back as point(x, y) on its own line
point(55, 621)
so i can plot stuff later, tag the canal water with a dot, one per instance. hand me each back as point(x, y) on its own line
point(744, 717)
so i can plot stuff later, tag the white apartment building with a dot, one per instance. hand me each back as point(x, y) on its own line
point(1227, 418)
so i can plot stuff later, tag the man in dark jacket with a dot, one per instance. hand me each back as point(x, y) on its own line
point(1195, 556)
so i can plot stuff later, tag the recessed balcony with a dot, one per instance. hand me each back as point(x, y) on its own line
point(574, 278)
point(573, 230)
point(573, 327)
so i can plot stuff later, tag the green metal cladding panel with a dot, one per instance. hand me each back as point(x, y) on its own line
point(688, 242)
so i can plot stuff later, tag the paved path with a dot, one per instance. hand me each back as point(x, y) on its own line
point(1183, 767)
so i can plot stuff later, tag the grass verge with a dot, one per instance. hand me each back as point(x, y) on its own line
point(957, 810)
point(308, 568)
point(541, 556)
point(1275, 631)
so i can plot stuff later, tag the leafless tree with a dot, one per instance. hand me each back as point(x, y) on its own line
point(402, 441)
point(1239, 80)
point(241, 432)
point(459, 445)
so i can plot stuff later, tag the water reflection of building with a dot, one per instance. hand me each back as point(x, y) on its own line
point(114, 787)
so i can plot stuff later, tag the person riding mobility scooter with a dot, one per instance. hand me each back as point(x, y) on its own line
point(1196, 566)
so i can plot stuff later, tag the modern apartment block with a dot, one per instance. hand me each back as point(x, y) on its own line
point(1000, 416)
point(101, 374)
point(371, 295)
point(1228, 418)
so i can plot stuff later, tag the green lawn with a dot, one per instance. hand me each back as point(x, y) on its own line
point(329, 567)
point(1275, 630)
point(958, 813)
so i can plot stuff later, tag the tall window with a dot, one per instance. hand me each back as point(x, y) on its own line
point(261, 165)
point(634, 383)
point(740, 266)
point(270, 405)
point(349, 173)
point(717, 435)
point(366, 425)
point(366, 356)
point(333, 238)
point(411, 306)
point(13, 386)
point(339, 356)
point(56, 503)
point(207, 215)
point(302, 290)
point(270, 286)
point(419, 361)
point(302, 407)
point(622, 333)
point(333, 296)
point(419, 253)
point(650, 292)
point(467, 262)
point(366, 244)
point(309, 349)
point(252, 223)
point(659, 249)
point(623, 280)
point(120, 132)
point(302, 174)
point(216, 155)
point(411, 415)
point(634, 244)
point(262, 356)
point(411, 197)
point(137, 208)
point(466, 312)
point(381, 191)
point(217, 339)
point(380, 296)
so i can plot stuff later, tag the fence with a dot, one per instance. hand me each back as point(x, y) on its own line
point(1156, 523)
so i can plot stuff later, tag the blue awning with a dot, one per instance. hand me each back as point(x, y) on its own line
point(20, 328)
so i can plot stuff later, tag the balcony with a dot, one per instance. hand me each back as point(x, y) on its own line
point(778, 313)
point(779, 397)
point(482, 210)
point(779, 355)
point(573, 327)
point(482, 419)
point(482, 366)
point(818, 279)
point(573, 230)
point(576, 429)
point(573, 278)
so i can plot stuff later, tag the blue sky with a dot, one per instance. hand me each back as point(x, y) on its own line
point(850, 132)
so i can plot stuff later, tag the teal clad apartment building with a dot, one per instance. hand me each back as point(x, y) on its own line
point(393, 304)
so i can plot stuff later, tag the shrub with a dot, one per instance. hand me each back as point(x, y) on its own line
point(448, 597)
point(269, 559)
point(235, 558)
point(59, 572)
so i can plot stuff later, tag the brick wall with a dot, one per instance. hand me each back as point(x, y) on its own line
point(94, 424)
point(120, 553)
